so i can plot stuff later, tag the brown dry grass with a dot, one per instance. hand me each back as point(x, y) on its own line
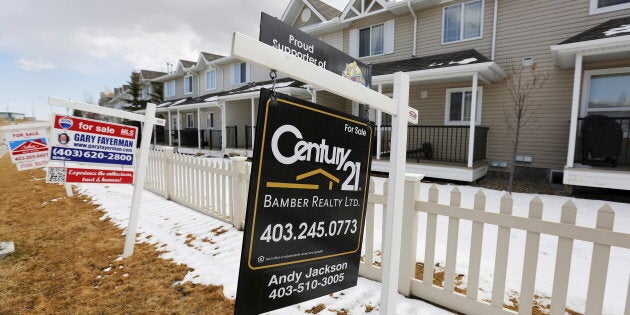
point(66, 259)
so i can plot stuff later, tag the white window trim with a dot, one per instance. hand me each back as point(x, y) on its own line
point(483, 8)
point(447, 107)
point(359, 41)
point(593, 9)
point(192, 81)
point(190, 123)
point(215, 79)
point(247, 73)
point(586, 85)
point(166, 94)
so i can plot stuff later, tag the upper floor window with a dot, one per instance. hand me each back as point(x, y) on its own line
point(373, 40)
point(211, 79)
point(601, 6)
point(169, 88)
point(458, 106)
point(188, 84)
point(239, 73)
point(462, 21)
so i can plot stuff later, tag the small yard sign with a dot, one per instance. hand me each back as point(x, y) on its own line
point(85, 140)
point(306, 205)
point(28, 148)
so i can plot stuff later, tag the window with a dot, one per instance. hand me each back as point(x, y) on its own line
point(210, 120)
point(607, 92)
point(373, 40)
point(190, 120)
point(601, 6)
point(169, 88)
point(458, 106)
point(188, 84)
point(462, 21)
point(239, 73)
point(211, 79)
point(174, 123)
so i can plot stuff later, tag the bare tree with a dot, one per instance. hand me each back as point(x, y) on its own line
point(523, 82)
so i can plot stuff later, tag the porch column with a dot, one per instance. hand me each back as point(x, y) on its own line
point(575, 107)
point(179, 127)
point(223, 129)
point(198, 128)
point(170, 129)
point(379, 120)
point(253, 106)
point(473, 119)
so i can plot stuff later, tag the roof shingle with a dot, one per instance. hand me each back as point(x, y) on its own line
point(456, 58)
point(604, 30)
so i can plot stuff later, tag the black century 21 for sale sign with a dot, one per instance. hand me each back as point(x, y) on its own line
point(306, 205)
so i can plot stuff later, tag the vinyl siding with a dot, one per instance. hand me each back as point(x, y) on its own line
point(528, 29)
point(333, 101)
point(298, 21)
point(334, 39)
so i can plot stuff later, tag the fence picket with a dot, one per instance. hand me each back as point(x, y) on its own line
point(429, 249)
point(599, 264)
point(451, 243)
point(383, 217)
point(563, 263)
point(476, 238)
point(532, 243)
point(503, 245)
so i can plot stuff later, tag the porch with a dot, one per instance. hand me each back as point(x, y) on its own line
point(438, 151)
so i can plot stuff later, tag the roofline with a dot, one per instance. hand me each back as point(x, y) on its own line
point(446, 73)
point(564, 54)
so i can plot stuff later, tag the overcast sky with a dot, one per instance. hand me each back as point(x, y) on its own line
point(75, 49)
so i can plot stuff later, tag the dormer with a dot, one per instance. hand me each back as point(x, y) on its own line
point(356, 9)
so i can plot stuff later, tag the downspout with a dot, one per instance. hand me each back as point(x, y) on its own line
point(415, 27)
point(494, 29)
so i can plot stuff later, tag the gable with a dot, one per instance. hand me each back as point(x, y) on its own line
point(361, 8)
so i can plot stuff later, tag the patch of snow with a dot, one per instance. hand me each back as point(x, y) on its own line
point(179, 102)
point(464, 61)
point(618, 30)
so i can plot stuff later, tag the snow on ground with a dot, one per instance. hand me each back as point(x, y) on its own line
point(212, 248)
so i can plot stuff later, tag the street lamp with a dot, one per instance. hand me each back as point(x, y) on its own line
point(9, 118)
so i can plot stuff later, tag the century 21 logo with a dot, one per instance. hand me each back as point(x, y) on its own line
point(319, 153)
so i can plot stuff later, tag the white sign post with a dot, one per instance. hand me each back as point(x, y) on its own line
point(149, 120)
point(251, 50)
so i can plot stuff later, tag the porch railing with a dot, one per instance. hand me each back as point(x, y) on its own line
point(445, 143)
point(624, 153)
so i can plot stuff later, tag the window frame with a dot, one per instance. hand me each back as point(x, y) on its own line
point(447, 106)
point(215, 79)
point(593, 9)
point(242, 81)
point(166, 89)
point(190, 120)
point(190, 85)
point(370, 43)
point(586, 90)
point(461, 34)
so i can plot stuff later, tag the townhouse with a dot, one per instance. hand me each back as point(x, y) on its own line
point(457, 55)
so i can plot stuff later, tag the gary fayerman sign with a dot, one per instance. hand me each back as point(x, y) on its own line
point(306, 206)
point(304, 46)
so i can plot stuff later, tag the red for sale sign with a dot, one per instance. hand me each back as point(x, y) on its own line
point(88, 175)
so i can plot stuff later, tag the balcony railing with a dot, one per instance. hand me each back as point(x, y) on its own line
point(623, 157)
point(439, 143)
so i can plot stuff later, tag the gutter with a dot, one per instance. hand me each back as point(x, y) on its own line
point(415, 27)
point(494, 30)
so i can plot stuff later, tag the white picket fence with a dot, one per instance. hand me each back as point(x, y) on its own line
point(215, 187)
point(219, 189)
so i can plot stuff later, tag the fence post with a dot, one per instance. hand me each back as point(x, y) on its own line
point(239, 191)
point(169, 174)
point(409, 231)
